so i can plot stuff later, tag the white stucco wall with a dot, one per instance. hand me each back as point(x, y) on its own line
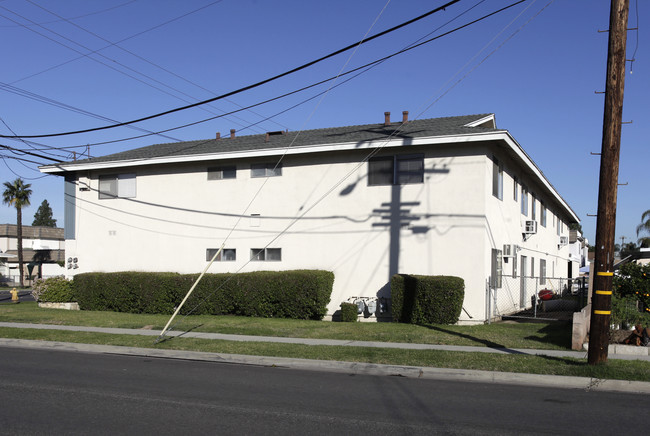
point(450, 222)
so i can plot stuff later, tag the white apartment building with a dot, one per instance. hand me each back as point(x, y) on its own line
point(445, 196)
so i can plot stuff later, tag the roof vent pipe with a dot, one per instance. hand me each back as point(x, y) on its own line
point(405, 117)
point(232, 133)
point(386, 118)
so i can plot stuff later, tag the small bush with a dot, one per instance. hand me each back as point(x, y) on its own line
point(54, 290)
point(625, 311)
point(427, 299)
point(348, 312)
point(633, 281)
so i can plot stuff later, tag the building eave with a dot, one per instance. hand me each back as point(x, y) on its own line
point(60, 169)
point(502, 136)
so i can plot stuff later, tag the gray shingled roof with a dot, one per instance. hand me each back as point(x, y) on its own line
point(333, 135)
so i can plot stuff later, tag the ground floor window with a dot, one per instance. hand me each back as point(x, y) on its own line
point(226, 255)
point(266, 254)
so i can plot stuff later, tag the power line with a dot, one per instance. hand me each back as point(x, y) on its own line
point(144, 60)
point(99, 61)
point(362, 67)
point(131, 69)
point(120, 41)
point(4, 157)
point(21, 159)
point(41, 98)
point(29, 143)
point(248, 87)
point(84, 15)
point(29, 153)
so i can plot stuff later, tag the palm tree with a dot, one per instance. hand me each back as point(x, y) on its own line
point(17, 194)
point(644, 227)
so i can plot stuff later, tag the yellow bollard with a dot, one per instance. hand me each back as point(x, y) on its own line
point(14, 296)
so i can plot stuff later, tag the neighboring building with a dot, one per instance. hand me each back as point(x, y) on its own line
point(445, 196)
point(640, 257)
point(643, 257)
point(43, 247)
point(578, 248)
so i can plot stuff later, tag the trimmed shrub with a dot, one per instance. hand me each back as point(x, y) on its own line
point(299, 294)
point(426, 299)
point(54, 290)
point(348, 312)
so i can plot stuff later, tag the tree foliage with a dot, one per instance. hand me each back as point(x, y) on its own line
point(633, 281)
point(644, 227)
point(16, 194)
point(43, 216)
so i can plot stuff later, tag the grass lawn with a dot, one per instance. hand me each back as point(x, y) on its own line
point(511, 335)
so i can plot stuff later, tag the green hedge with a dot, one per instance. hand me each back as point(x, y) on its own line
point(349, 312)
point(298, 294)
point(426, 299)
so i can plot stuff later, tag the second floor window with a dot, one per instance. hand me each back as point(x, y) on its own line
point(524, 200)
point(396, 170)
point(266, 170)
point(497, 179)
point(221, 173)
point(117, 186)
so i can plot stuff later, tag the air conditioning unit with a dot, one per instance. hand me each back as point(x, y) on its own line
point(530, 227)
point(508, 250)
point(564, 240)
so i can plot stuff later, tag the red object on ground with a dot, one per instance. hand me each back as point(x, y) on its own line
point(545, 294)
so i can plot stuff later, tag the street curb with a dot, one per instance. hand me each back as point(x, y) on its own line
point(444, 374)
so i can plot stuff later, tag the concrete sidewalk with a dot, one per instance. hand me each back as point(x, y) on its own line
point(615, 351)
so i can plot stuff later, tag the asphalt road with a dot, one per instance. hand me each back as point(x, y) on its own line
point(57, 392)
point(23, 295)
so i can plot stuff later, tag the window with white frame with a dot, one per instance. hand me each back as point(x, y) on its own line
point(533, 207)
point(396, 170)
point(266, 170)
point(266, 254)
point(226, 255)
point(222, 172)
point(542, 271)
point(515, 190)
point(497, 179)
point(559, 226)
point(543, 214)
point(117, 186)
point(524, 200)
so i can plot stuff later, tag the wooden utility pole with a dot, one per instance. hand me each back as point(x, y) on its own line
point(601, 303)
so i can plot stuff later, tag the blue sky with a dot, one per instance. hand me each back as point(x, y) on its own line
point(536, 66)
